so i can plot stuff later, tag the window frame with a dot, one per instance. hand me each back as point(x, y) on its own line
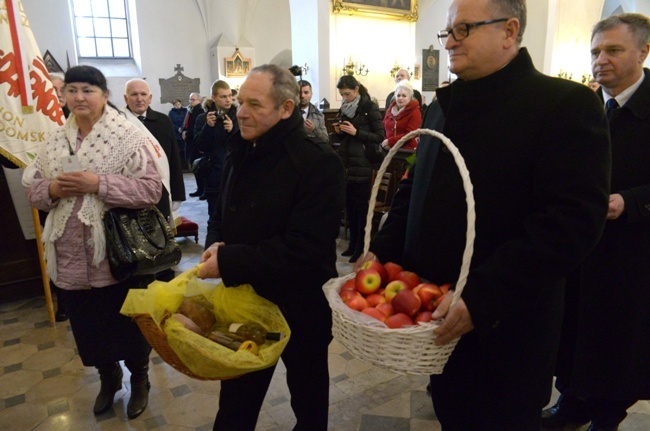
point(111, 38)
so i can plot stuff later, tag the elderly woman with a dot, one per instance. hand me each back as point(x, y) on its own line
point(96, 161)
point(403, 116)
point(359, 127)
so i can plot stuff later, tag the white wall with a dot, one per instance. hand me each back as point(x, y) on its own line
point(172, 32)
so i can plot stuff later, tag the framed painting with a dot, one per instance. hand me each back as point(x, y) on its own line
point(406, 10)
point(237, 65)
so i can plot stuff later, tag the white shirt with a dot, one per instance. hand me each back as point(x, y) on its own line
point(625, 94)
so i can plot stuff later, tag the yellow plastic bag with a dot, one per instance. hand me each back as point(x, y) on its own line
point(201, 356)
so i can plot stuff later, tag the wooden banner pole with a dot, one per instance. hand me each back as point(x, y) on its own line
point(41, 258)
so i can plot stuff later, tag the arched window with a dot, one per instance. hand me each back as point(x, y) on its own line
point(102, 29)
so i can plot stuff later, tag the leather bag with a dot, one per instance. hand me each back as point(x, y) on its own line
point(374, 153)
point(139, 242)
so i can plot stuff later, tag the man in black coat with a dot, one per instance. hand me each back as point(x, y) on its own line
point(138, 98)
point(215, 128)
point(603, 365)
point(191, 152)
point(275, 228)
point(537, 151)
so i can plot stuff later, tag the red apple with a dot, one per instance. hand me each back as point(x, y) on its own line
point(373, 312)
point(444, 288)
point(374, 264)
point(399, 320)
point(386, 308)
point(349, 285)
point(375, 299)
point(409, 278)
point(429, 294)
point(357, 303)
point(407, 302)
point(394, 287)
point(368, 281)
point(348, 294)
point(392, 269)
point(439, 301)
point(423, 316)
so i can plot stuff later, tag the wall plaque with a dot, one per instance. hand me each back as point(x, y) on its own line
point(430, 69)
point(178, 87)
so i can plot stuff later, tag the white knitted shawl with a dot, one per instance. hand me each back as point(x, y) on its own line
point(113, 146)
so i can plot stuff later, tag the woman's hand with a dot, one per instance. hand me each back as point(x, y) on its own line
point(74, 184)
point(348, 128)
point(385, 144)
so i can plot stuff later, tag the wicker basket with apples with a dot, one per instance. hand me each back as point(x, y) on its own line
point(382, 314)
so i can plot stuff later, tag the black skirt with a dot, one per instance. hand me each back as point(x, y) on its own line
point(102, 334)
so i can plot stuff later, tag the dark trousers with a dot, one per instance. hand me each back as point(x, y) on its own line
point(213, 199)
point(305, 358)
point(356, 205)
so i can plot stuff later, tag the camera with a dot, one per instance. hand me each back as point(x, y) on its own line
point(221, 115)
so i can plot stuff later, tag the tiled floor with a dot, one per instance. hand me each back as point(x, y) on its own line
point(44, 386)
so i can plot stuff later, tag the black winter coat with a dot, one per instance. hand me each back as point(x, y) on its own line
point(537, 151)
point(370, 131)
point(279, 215)
point(162, 129)
point(612, 313)
point(212, 142)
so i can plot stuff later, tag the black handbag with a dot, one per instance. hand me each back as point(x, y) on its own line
point(375, 153)
point(139, 242)
point(201, 166)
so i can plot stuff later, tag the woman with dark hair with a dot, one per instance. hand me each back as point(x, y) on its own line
point(360, 125)
point(96, 161)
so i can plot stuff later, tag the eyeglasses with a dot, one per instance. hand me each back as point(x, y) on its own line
point(461, 31)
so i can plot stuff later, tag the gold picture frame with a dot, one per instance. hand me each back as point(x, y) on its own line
point(237, 65)
point(405, 10)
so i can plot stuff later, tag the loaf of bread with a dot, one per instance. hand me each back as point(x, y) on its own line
point(199, 311)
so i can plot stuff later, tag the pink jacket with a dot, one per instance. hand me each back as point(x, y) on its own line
point(74, 251)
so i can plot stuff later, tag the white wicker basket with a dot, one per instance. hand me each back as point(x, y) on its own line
point(407, 350)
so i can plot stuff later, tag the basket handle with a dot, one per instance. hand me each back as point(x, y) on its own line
point(469, 198)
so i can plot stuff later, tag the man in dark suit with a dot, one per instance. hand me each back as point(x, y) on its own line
point(603, 365)
point(138, 98)
point(275, 228)
point(400, 75)
point(537, 151)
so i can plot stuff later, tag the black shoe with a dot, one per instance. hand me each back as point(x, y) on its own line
point(348, 252)
point(560, 415)
point(203, 197)
point(196, 194)
point(61, 315)
point(596, 427)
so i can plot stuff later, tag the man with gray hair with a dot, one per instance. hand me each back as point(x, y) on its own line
point(275, 228)
point(403, 74)
point(537, 151)
point(602, 366)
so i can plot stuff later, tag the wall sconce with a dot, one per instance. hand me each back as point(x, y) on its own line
point(354, 68)
point(299, 70)
point(397, 67)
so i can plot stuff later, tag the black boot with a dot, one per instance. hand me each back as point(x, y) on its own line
point(111, 378)
point(139, 387)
